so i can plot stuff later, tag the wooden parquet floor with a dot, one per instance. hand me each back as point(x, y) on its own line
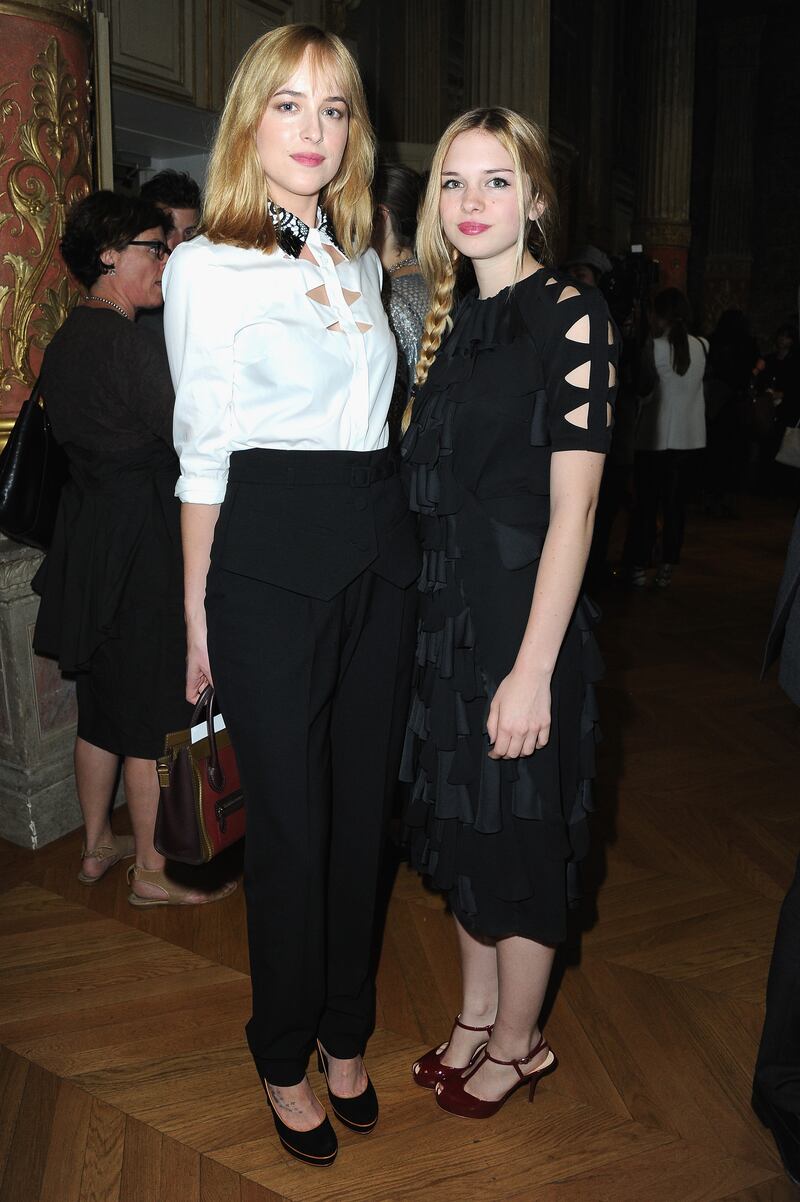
point(124, 1075)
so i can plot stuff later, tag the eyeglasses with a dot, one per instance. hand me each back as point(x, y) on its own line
point(159, 250)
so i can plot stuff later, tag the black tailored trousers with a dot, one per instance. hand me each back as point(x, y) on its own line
point(660, 480)
point(777, 1073)
point(310, 690)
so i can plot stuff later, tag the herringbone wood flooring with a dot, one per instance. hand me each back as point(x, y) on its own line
point(123, 1070)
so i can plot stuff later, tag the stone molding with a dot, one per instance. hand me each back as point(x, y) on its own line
point(663, 233)
point(18, 566)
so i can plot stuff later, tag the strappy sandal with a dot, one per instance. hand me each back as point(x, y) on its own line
point(452, 1095)
point(428, 1071)
point(121, 847)
point(171, 893)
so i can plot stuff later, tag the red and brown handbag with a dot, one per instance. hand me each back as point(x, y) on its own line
point(201, 807)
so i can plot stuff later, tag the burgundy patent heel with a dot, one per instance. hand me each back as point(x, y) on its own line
point(428, 1071)
point(453, 1097)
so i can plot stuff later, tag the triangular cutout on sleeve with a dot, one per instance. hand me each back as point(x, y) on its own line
point(579, 376)
point(580, 331)
point(567, 293)
point(612, 375)
point(579, 416)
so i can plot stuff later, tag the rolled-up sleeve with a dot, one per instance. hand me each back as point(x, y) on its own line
point(200, 351)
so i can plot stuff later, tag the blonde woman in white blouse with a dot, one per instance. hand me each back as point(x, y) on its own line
point(299, 549)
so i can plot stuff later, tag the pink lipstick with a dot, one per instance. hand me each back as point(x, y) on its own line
point(472, 227)
point(309, 160)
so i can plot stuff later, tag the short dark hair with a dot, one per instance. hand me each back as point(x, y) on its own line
point(399, 189)
point(104, 221)
point(175, 189)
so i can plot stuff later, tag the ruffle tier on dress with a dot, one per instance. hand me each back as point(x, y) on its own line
point(502, 837)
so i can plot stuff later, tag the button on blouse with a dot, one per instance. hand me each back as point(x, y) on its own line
point(273, 351)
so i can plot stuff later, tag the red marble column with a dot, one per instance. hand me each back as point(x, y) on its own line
point(45, 165)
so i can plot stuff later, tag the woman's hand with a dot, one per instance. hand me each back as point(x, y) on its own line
point(519, 716)
point(198, 672)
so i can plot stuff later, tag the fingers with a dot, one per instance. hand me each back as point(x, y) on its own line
point(529, 746)
point(511, 746)
point(196, 680)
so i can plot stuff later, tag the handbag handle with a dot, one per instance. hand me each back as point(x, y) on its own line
point(205, 709)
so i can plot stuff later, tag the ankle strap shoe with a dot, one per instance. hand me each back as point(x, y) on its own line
point(428, 1071)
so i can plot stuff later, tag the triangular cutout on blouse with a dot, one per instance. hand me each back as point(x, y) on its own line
point(350, 296)
point(363, 326)
point(552, 280)
point(335, 255)
point(580, 376)
point(610, 334)
point(579, 416)
point(609, 415)
point(336, 328)
point(568, 293)
point(580, 331)
point(612, 375)
point(319, 295)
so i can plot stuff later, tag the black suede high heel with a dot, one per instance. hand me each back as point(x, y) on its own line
point(360, 1113)
point(318, 1146)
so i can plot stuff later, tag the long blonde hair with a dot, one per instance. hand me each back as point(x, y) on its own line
point(236, 195)
point(438, 258)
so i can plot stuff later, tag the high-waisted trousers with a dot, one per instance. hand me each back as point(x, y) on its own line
point(314, 694)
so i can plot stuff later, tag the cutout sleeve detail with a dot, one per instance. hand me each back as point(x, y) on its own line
point(580, 388)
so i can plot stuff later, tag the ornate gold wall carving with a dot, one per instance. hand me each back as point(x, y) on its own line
point(55, 12)
point(51, 170)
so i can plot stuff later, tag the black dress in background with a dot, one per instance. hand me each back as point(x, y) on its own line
point(502, 837)
point(111, 584)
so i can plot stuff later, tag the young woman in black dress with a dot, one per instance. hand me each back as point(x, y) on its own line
point(505, 447)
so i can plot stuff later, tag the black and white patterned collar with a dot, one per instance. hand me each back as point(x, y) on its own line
point(291, 232)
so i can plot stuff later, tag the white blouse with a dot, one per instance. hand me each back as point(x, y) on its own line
point(268, 350)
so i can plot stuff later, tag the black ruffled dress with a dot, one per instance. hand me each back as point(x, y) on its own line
point(521, 375)
point(111, 584)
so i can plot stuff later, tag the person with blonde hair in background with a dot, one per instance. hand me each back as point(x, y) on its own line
point(505, 447)
point(299, 550)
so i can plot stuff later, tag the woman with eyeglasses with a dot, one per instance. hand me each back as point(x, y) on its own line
point(111, 584)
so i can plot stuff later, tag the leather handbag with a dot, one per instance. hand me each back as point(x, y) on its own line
point(201, 807)
point(33, 468)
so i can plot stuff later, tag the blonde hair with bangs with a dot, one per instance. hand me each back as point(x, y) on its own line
point(236, 194)
point(438, 258)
